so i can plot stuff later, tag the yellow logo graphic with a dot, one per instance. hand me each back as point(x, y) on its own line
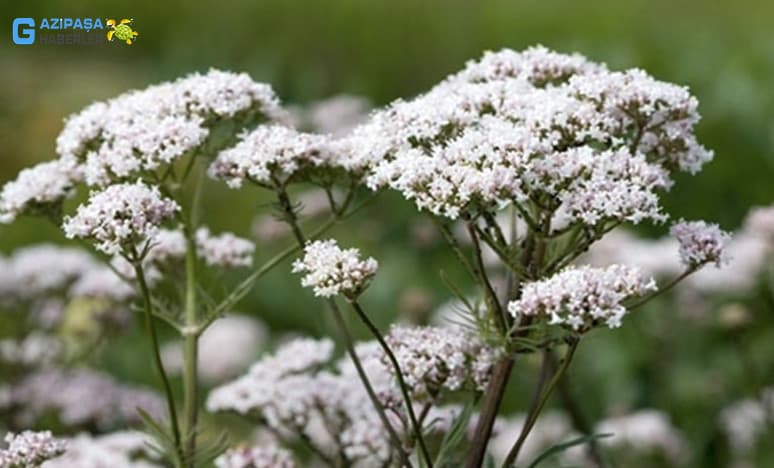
point(122, 30)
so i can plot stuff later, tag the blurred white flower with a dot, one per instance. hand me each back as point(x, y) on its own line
point(700, 243)
point(255, 457)
point(224, 250)
point(29, 449)
point(226, 348)
point(123, 449)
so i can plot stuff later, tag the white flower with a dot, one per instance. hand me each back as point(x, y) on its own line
point(255, 457)
point(30, 449)
point(121, 217)
point(225, 250)
point(582, 297)
point(122, 449)
point(36, 349)
point(533, 125)
point(291, 394)
point(700, 243)
point(82, 398)
point(142, 130)
point(434, 359)
point(43, 268)
point(338, 114)
point(330, 270)
point(271, 154)
point(644, 431)
point(37, 187)
point(539, 65)
point(226, 348)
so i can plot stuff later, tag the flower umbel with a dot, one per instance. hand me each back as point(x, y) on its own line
point(700, 243)
point(582, 297)
point(121, 217)
point(30, 449)
point(330, 270)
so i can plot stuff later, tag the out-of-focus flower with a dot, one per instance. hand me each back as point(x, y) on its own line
point(583, 297)
point(121, 217)
point(224, 250)
point(255, 457)
point(700, 243)
point(338, 114)
point(330, 270)
point(226, 348)
point(82, 398)
point(30, 449)
point(123, 449)
point(644, 431)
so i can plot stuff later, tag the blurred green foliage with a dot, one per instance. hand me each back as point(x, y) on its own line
point(308, 50)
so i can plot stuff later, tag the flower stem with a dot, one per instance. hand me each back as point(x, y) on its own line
point(536, 409)
point(154, 341)
point(416, 427)
point(493, 396)
point(292, 219)
point(190, 350)
point(349, 343)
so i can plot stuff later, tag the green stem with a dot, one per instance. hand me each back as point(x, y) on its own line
point(536, 409)
point(349, 344)
point(190, 350)
point(154, 341)
point(292, 219)
point(416, 427)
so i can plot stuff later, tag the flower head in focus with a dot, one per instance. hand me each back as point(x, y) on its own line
point(38, 189)
point(330, 270)
point(121, 217)
point(582, 297)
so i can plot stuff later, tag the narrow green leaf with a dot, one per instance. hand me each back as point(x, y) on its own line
point(558, 448)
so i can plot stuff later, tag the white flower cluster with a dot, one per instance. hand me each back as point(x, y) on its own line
point(330, 270)
point(36, 349)
point(551, 428)
point(338, 114)
point(121, 217)
point(226, 348)
point(123, 449)
point(437, 359)
point(255, 457)
point(745, 421)
point(644, 431)
point(142, 130)
point(41, 269)
point(38, 187)
point(291, 394)
point(511, 127)
point(83, 398)
point(583, 297)
point(271, 154)
point(700, 243)
point(225, 250)
point(30, 449)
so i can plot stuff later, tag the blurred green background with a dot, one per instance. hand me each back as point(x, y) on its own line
point(308, 50)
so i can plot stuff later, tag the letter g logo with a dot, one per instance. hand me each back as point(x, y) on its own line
point(23, 31)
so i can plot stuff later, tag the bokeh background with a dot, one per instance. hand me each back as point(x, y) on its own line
point(308, 50)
